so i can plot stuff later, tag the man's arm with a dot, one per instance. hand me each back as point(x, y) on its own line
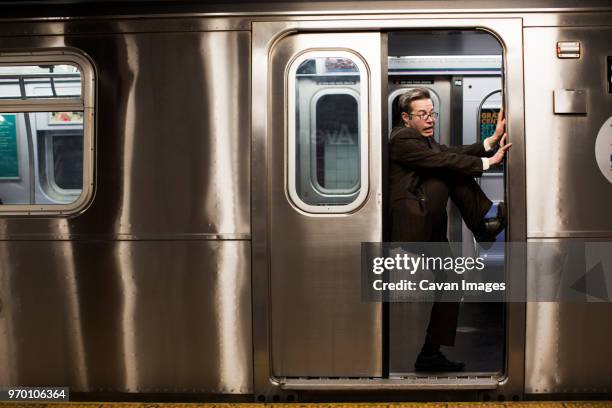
point(477, 149)
point(414, 153)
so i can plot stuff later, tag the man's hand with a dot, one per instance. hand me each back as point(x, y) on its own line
point(500, 129)
point(498, 157)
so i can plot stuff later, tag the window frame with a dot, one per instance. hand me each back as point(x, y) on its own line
point(84, 103)
point(49, 167)
point(363, 103)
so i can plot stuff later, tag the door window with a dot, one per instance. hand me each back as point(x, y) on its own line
point(327, 135)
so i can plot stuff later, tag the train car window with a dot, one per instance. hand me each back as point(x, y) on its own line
point(327, 133)
point(46, 133)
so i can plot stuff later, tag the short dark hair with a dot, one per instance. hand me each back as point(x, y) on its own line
point(411, 95)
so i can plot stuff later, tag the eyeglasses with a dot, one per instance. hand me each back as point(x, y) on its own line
point(425, 115)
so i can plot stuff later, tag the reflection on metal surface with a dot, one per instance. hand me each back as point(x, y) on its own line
point(74, 316)
point(150, 316)
point(127, 315)
point(570, 101)
point(9, 345)
point(173, 133)
point(131, 74)
point(232, 353)
point(565, 340)
point(229, 155)
point(318, 322)
point(573, 358)
point(541, 348)
point(566, 193)
point(155, 274)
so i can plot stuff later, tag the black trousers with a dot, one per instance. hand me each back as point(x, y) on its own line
point(473, 205)
point(467, 195)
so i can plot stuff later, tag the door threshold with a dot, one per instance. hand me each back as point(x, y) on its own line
point(495, 375)
point(421, 382)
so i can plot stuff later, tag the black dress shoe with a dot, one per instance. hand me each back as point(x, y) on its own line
point(491, 227)
point(436, 363)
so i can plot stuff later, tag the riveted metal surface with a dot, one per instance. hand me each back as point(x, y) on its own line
point(89, 26)
point(567, 194)
point(172, 154)
point(318, 321)
point(151, 317)
point(566, 342)
point(567, 197)
point(170, 312)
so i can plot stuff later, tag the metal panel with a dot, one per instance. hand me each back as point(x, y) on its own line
point(318, 321)
point(156, 316)
point(173, 137)
point(569, 101)
point(566, 343)
point(567, 194)
point(110, 25)
point(173, 163)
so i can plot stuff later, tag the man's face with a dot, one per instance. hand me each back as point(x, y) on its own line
point(421, 108)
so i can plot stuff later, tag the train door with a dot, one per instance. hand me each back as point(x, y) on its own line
point(323, 105)
point(324, 201)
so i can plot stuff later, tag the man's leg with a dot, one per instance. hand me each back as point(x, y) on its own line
point(442, 327)
point(436, 191)
point(471, 201)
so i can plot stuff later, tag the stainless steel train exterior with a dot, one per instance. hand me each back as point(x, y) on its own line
point(188, 267)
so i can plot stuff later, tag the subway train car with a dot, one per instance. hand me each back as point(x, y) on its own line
point(186, 187)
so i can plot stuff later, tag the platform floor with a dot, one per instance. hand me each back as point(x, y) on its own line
point(521, 404)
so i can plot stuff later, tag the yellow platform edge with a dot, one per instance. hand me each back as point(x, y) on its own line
point(519, 404)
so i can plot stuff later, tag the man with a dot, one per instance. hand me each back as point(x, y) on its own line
point(423, 175)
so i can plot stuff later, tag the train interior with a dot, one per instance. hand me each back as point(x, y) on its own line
point(463, 72)
point(41, 152)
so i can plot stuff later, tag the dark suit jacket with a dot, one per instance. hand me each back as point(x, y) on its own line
point(419, 171)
